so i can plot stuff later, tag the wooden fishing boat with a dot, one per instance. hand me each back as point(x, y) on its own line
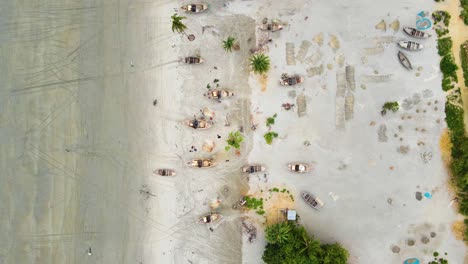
point(194, 60)
point(290, 80)
point(165, 172)
point(312, 201)
point(415, 32)
point(410, 45)
point(299, 167)
point(220, 94)
point(252, 168)
point(194, 8)
point(197, 124)
point(271, 27)
point(201, 163)
point(404, 60)
point(209, 218)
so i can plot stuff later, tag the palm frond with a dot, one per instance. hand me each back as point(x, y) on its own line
point(228, 43)
point(177, 24)
point(260, 63)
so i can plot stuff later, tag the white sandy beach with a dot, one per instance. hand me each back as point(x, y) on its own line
point(81, 135)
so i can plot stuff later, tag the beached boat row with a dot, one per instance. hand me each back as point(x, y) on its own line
point(410, 45)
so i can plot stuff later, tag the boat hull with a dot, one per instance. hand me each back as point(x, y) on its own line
point(299, 167)
point(195, 8)
point(416, 33)
point(312, 201)
point(410, 45)
point(404, 61)
point(207, 219)
point(201, 163)
point(165, 172)
point(253, 169)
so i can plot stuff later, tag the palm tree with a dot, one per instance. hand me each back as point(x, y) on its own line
point(228, 43)
point(260, 63)
point(279, 233)
point(177, 24)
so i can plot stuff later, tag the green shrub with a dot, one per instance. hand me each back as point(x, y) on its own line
point(447, 83)
point(448, 66)
point(269, 137)
point(253, 203)
point(271, 120)
point(288, 243)
point(439, 16)
point(392, 106)
point(234, 140)
point(464, 12)
point(464, 60)
point(444, 45)
point(441, 32)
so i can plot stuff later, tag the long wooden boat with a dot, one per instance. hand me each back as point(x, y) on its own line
point(404, 60)
point(312, 201)
point(220, 94)
point(193, 60)
point(209, 218)
point(299, 167)
point(194, 8)
point(201, 163)
point(410, 45)
point(197, 124)
point(271, 27)
point(290, 80)
point(165, 172)
point(252, 168)
point(415, 32)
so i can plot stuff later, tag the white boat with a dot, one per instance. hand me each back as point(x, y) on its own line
point(415, 32)
point(410, 45)
point(194, 8)
point(299, 167)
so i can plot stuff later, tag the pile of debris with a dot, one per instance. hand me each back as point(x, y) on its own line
point(250, 229)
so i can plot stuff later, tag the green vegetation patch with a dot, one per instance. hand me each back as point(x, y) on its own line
point(234, 140)
point(271, 120)
point(444, 45)
point(290, 243)
point(255, 204)
point(443, 16)
point(270, 136)
point(448, 67)
point(228, 44)
point(260, 63)
point(464, 61)
point(464, 12)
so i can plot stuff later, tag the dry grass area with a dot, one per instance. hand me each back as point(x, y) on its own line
point(263, 81)
point(458, 229)
point(445, 146)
